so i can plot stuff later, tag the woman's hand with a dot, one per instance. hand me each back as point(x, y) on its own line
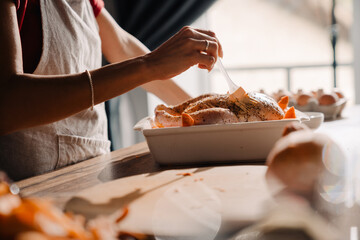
point(185, 49)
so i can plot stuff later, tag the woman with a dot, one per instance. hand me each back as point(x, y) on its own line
point(51, 107)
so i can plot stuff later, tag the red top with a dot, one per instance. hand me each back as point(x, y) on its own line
point(31, 30)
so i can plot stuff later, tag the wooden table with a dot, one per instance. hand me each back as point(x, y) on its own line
point(62, 184)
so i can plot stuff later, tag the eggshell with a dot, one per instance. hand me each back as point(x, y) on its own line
point(328, 99)
point(281, 93)
point(314, 93)
point(319, 93)
point(303, 99)
point(296, 160)
point(301, 159)
point(339, 93)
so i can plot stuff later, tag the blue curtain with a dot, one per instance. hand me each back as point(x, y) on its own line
point(152, 22)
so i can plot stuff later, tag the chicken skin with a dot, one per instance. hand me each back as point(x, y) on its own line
point(219, 109)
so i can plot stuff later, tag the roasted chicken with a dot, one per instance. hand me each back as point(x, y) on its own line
point(221, 109)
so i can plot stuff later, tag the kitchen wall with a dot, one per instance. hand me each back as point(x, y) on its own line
point(356, 43)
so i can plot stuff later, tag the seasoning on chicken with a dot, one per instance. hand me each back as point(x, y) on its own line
point(239, 106)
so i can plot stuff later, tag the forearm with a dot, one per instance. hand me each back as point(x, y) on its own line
point(168, 91)
point(118, 45)
point(28, 100)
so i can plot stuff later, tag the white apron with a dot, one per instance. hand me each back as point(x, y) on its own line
point(71, 44)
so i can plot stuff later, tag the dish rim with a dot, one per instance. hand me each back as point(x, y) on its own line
point(144, 125)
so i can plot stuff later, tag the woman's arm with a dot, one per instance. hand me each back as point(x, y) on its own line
point(28, 100)
point(118, 45)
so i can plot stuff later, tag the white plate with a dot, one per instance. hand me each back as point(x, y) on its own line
point(246, 141)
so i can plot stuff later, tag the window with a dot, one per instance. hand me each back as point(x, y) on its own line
point(268, 41)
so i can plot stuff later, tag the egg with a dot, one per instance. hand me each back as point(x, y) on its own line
point(299, 92)
point(303, 99)
point(302, 160)
point(328, 99)
point(281, 93)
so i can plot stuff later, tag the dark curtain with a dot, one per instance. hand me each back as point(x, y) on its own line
point(152, 22)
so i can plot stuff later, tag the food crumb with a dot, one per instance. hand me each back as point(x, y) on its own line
point(123, 215)
point(184, 174)
point(219, 189)
point(201, 179)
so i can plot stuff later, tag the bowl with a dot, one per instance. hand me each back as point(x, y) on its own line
point(315, 120)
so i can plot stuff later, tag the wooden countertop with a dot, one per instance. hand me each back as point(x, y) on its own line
point(64, 183)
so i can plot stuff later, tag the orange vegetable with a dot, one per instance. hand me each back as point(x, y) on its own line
point(187, 120)
point(37, 218)
point(123, 215)
point(290, 113)
point(283, 103)
point(184, 174)
point(158, 125)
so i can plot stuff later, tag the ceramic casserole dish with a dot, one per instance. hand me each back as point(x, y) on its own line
point(246, 141)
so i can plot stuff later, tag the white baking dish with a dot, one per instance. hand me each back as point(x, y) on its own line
point(248, 141)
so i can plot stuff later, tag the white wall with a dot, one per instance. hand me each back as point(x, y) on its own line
point(356, 45)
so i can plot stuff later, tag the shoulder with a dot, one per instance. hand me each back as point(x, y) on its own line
point(17, 3)
point(97, 6)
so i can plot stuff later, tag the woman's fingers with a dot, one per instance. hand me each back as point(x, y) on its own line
point(200, 34)
point(206, 46)
point(187, 48)
point(213, 35)
point(205, 61)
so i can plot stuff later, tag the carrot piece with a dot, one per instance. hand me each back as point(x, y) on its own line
point(290, 113)
point(187, 120)
point(123, 215)
point(283, 103)
point(158, 125)
point(184, 174)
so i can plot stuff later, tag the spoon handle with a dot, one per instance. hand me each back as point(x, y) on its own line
point(232, 86)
